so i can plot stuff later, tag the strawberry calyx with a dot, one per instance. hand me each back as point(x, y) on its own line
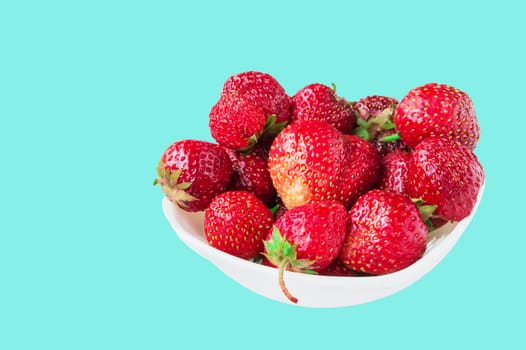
point(368, 127)
point(269, 131)
point(281, 253)
point(176, 192)
point(427, 212)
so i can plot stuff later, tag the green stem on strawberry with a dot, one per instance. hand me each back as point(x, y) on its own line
point(281, 253)
point(282, 266)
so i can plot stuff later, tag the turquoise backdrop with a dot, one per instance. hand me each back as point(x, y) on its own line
point(92, 92)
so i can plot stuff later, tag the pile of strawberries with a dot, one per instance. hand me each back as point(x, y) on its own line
point(317, 184)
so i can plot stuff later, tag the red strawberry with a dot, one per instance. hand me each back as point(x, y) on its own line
point(437, 110)
point(385, 233)
point(250, 173)
point(236, 222)
point(191, 173)
point(237, 123)
point(320, 102)
point(374, 116)
point(394, 172)
point(365, 167)
point(445, 174)
point(263, 90)
point(310, 161)
point(306, 239)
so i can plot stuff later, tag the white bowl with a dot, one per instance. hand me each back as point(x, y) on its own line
point(314, 290)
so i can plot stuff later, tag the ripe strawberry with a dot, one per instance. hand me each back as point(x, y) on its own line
point(191, 173)
point(263, 90)
point(320, 102)
point(306, 239)
point(437, 110)
point(365, 167)
point(310, 161)
point(236, 222)
point(374, 116)
point(394, 172)
point(250, 173)
point(237, 123)
point(385, 233)
point(446, 174)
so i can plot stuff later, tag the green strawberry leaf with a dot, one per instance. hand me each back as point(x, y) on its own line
point(362, 122)
point(426, 211)
point(183, 185)
point(388, 125)
point(274, 209)
point(175, 176)
point(362, 133)
point(393, 137)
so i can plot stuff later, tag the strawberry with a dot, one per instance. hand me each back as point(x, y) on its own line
point(253, 107)
point(394, 172)
point(263, 90)
point(191, 173)
point(320, 102)
point(447, 175)
point(385, 233)
point(365, 167)
point(237, 123)
point(250, 173)
point(310, 161)
point(236, 222)
point(437, 110)
point(306, 239)
point(374, 116)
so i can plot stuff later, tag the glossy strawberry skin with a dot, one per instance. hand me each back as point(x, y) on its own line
point(262, 90)
point(320, 102)
point(365, 167)
point(205, 171)
point(250, 173)
point(385, 234)
point(446, 174)
point(236, 122)
point(394, 176)
point(317, 230)
point(236, 222)
point(437, 110)
point(310, 161)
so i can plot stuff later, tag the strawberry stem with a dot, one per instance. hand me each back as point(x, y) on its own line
point(282, 266)
point(281, 253)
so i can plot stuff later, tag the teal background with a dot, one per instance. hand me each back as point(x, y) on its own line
point(92, 92)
